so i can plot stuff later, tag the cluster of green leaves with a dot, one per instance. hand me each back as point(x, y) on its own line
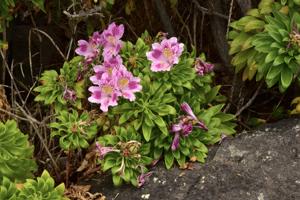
point(139, 131)
point(194, 146)
point(129, 159)
point(74, 130)
point(42, 189)
point(53, 85)
point(157, 107)
point(16, 154)
point(265, 43)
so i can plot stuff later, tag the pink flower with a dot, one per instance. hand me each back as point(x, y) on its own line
point(128, 84)
point(111, 39)
point(87, 49)
point(109, 67)
point(142, 178)
point(106, 94)
point(96, 38)
point(112, 34)
point(202, 67)
point(186, 108)
point(104, 150)
point(165, 54)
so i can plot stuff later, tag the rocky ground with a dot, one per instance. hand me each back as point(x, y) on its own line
point(263, 164)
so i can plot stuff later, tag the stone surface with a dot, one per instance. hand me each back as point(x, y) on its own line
point(259, 165)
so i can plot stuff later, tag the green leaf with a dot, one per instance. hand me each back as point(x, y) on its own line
point(169, 160)
point(274, 71)
point(161, 125)
point(39, 4)
point(286, 77)
point(125, 117)
point(117, 180)
point(147, 130)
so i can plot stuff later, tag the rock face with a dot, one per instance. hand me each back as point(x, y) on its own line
point(260, 165)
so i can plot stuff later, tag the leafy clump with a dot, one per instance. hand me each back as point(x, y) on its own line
point(41, 189)
point(64, 88)
point(157, 100)
point(8, 190)
point(124, 154)
point(265, 43)
point(16, 154)
point(74, 130)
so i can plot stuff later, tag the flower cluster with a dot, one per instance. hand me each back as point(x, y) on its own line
point(185, 125)
point(202, 67)
point(165, 54)
point(111, 79)
point(89, 49)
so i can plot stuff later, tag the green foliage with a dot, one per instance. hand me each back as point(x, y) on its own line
point(147, 112)
point(74, 130)
point(134, 133)
point(8, 190)
point(128, 158)
point(54, 85)
point(194, 146)
point(266, 43)
point(41, 189)
point(16, 153)
point(279, 45)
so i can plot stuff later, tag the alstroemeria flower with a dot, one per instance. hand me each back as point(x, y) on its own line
point(106, 94)
point(142, 178)
point(104, 150)
point(186, 108)
point(109, 66)
point(165, 54)
point(111, 39)
point(128, 84)
point(202, 67)
point(87, 49)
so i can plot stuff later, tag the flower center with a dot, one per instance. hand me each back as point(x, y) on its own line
point(123, 82)
point(167, 53)
point(111, 39)
point(107, 89)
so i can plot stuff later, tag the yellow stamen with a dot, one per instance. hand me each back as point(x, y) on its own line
point(167, 53)
point(123, 82)
point(107, 89)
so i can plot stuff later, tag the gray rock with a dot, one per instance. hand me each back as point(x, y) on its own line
point(259, 165)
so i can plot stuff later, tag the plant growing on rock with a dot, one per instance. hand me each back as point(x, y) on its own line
point(156, 98)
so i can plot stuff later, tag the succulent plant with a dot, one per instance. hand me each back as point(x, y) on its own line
point(58, 89)
point(8, 190)
point(41, 189)
point(124, 155)
point(16, 154)
point(74, 130)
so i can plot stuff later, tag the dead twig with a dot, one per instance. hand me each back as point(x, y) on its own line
point(250, 100)
point(207, 11)
point(229, 18)
point(51, 40)
point(185, 26)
